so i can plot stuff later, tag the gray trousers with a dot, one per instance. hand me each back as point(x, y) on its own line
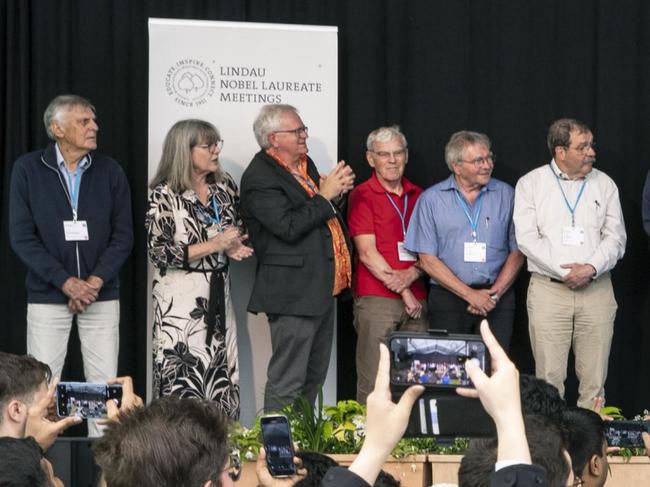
point(301, 348)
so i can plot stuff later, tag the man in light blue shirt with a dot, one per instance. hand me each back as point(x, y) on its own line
point(463, 233)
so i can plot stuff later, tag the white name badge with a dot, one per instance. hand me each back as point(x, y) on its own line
point(75, 230)
point(405, 255)
point(573, 236)
point(475, 251)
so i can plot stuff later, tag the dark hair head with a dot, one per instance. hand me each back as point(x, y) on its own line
point(171, 442)
point(20, 463)
point(546, 441)
point(586, 434)
point(316, 465)
point(540, 397)
point(384, 479)
point(20, 377)
point(559, 133)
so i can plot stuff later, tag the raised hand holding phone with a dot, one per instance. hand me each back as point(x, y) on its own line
point(500, 397)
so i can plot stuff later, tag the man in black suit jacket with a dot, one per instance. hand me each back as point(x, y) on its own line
point(302, 250)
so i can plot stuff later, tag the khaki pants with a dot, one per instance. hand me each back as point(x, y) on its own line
point(558, 318)
point(374, 318)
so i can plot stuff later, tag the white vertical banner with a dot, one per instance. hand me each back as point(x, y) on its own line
point(223, 72)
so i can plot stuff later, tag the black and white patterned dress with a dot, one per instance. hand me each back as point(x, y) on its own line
point(194, 329)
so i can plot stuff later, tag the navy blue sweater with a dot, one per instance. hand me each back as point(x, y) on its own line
point(39, 204)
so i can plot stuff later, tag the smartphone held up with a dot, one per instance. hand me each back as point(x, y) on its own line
point(435, 361)
point(276, 438)
point(84, 399)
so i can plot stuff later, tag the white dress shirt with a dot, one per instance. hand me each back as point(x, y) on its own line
point(541, 215)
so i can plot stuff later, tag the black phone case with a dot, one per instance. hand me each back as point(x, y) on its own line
point(456, 416)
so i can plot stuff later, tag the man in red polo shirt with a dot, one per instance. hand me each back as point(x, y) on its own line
point(388, 291)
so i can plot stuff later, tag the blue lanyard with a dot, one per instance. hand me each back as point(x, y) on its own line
point(214, 220)
point(215, 207)
point(572, 210)
point(473, 222)
point(402, 216)
point(74, 189)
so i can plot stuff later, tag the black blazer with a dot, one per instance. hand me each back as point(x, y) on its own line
point(293, 245)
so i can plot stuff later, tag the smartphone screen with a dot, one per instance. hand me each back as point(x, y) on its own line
point(276, 437)
point(625, 434)
point(84, 399)
point(434, 361)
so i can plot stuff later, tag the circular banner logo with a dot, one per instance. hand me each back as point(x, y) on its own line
point(190, 82)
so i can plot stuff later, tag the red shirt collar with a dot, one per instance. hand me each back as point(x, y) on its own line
point(376, 186)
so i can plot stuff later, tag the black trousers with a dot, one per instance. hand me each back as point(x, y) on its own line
point(446, 311)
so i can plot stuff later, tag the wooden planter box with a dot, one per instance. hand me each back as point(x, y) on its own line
point(425, 470)
point(630, 473)
point(635, 472)
point(411, 471)
point(444, 469)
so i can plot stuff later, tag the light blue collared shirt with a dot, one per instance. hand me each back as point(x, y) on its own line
point(439, 227)
point(68, 177)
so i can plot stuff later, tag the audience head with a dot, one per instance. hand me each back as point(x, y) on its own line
point(316, 465)
point(547, 444)
point(23, 382)
point(176, 166)
point(384, 479)
point(20, 463)
point(540, 397)
point(587, 445)
point(171, 442)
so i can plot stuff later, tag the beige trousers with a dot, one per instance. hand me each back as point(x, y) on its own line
point(559, 318)
point(374, 318)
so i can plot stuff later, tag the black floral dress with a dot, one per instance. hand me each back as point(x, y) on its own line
point(194, 329)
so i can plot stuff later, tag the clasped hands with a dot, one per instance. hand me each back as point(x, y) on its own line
point(339, 181)
point(578, 276)
point(482, 301)
point(81, 293)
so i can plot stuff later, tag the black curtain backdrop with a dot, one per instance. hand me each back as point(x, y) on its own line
point(506, 68)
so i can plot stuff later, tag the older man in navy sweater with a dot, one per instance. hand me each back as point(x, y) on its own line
point(70, 223)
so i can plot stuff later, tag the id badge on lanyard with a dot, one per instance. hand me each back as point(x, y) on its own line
point(75, 230)
point(403, 254)
point(473, 251)
point(572, 236)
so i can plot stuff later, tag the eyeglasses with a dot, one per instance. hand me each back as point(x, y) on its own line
point(382, 154)
point(234, 469)
point(297, 132)
point(583, 148)
point(211, 147)
point(490, 159)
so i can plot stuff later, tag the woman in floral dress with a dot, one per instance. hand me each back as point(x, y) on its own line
point(193, 229)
